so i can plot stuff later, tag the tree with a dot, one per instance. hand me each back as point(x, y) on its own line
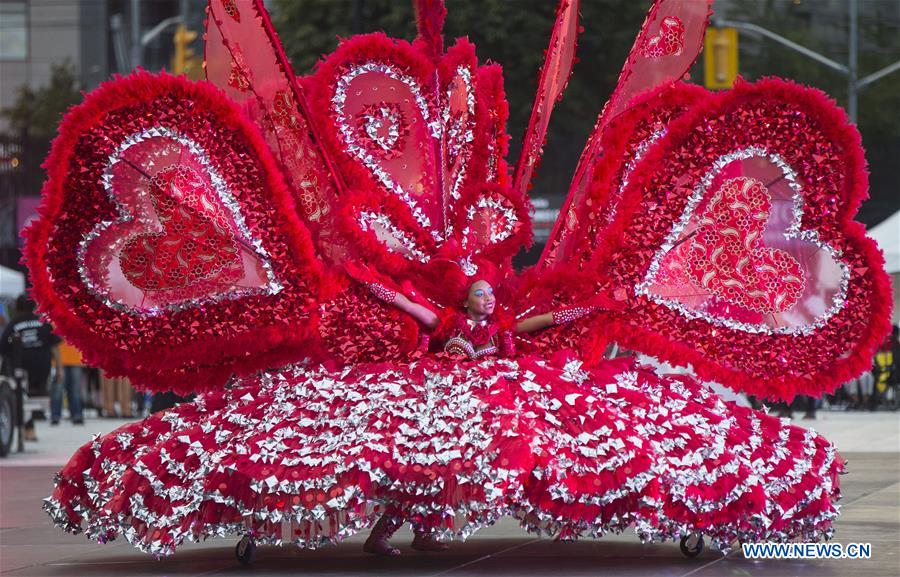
point(38, 111)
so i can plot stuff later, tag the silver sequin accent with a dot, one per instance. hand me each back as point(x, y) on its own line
point(381, 224)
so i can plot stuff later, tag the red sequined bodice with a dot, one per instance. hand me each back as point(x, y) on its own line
point(477, 339)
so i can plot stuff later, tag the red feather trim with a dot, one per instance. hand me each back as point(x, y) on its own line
point(491, 139)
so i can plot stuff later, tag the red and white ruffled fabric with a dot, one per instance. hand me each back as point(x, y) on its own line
point(310, 455)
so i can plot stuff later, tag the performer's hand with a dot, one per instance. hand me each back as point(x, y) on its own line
point(361, 274)
point(615, 302)
point(600, 302)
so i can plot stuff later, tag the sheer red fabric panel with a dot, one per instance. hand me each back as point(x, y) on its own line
point(554, 77)
point(245, 59)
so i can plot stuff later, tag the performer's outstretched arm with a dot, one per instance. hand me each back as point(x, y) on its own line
point(422, 314)
point(535, 323)
point(557, 317)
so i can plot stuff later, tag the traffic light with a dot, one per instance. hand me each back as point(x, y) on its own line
point(720, 58)
point(185, 61)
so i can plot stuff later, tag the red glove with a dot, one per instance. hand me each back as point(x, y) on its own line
point(600, 302)
point(569, 314)
point(361, 274)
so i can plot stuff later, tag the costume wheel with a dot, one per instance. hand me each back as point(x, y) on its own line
point(7, 418)
point(692, 545)
point(245, 550)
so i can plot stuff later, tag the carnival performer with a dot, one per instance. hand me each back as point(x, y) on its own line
point(474, 334)
point(326, 261)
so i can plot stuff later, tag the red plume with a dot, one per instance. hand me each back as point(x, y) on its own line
point(430, 16)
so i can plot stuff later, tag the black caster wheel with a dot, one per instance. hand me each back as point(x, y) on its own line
point(7, 418)
point(692, 545)
point(245, 550)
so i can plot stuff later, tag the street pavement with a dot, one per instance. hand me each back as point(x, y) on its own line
point(31, 546)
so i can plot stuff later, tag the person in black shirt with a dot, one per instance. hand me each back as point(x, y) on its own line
point(29, 343)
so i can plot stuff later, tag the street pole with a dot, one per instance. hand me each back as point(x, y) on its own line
point(852, 70)
point(756, 29)
point(137, 49)
point(119, 45)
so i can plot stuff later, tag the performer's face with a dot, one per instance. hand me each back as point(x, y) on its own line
point(480, 300)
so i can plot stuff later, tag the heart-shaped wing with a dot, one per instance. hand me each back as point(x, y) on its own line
point(490, 222)
point(736, 245)
point(168, 248)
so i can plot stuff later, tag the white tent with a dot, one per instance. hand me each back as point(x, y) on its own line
point(12, 283)
point(887, 235)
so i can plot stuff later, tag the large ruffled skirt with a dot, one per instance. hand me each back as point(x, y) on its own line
point(310, 455)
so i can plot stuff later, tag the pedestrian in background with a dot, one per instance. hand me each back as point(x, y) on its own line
point(115, 390)
point(71, 384)
point(29, 343)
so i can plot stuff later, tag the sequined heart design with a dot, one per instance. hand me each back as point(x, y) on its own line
point(382, 129)
point(489, 218)
point(193, 245)
point(669, 41)
point(737, 256)
point(727, 257)
point(182, 234)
